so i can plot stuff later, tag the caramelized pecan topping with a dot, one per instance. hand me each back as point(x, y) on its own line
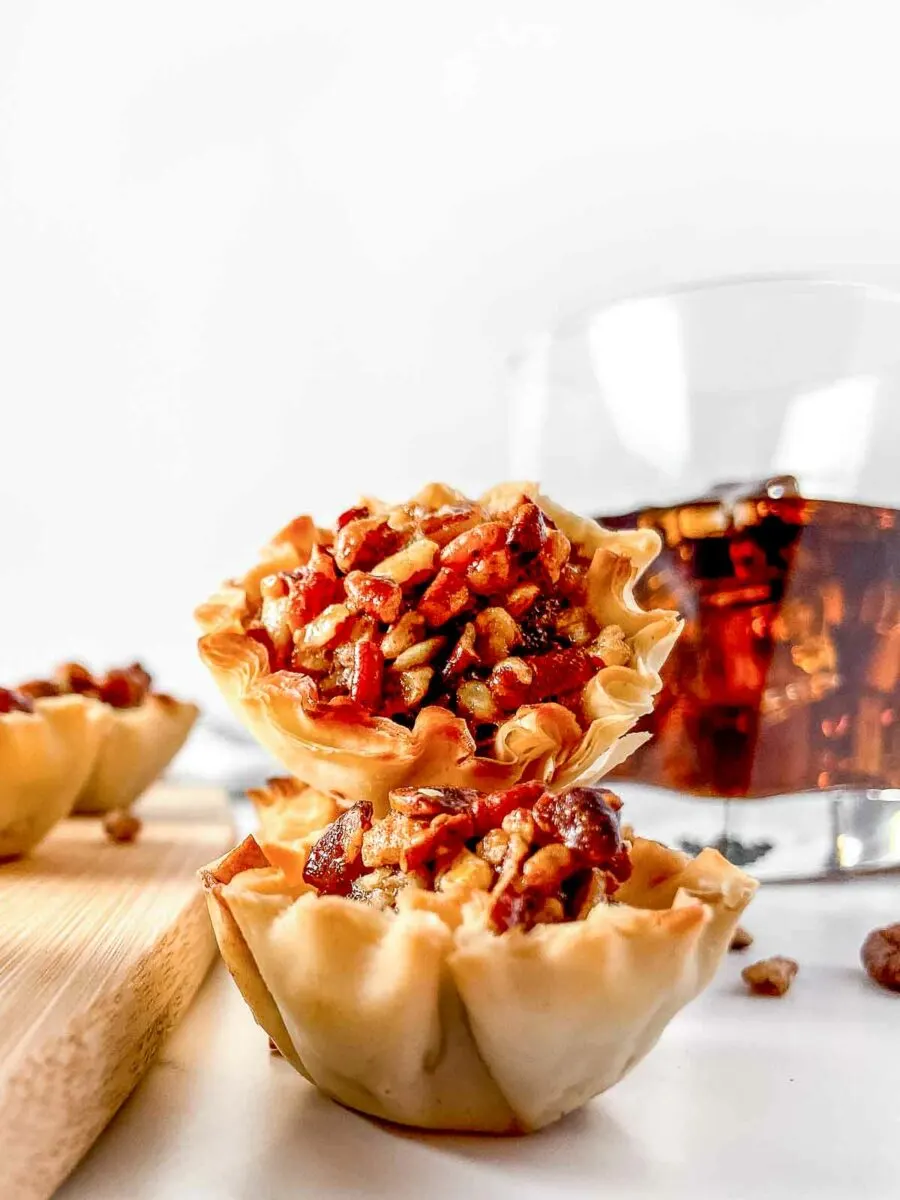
point(540, 857)
point(121, 687)
point(477, 612)
point(12, 700)
point(336, 858)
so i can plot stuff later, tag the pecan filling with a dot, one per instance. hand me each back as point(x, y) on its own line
point(476, 612)
point(124, 687)
point(13, 700)
point(540, 857)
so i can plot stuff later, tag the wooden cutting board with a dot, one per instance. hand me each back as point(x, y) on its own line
point(102, 947)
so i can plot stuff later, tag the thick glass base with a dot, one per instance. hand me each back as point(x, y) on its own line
point(818, 835)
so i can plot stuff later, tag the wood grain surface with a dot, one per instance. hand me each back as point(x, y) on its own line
point(102, 947)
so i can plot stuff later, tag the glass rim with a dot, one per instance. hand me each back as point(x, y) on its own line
point(826, 278)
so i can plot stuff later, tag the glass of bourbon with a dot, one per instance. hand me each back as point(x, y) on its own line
point(756, 426)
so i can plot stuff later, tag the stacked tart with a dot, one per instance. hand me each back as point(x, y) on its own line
point(443, 922)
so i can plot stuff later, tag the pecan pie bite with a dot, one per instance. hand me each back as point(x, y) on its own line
point(145, 730)
point(472, 960)
point(444, 641)
point(48, 747)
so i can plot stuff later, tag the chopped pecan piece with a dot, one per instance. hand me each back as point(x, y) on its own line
point(475, 700)
point(73, 677)
point(577, 626)
point(510, 683)
point(364, 541)
point(881, 956)
point(539, 625)
point(311, 590)
point(366, 675)
point(420, 654)
point(409, 566)
point(121, 826)
point(492, 808)
point(515, 906)
point(405, 518)
point(558, 672)
point(427, 802)
point(381, 887)
point(449, 522)
point(325, 628)
point(12, 700)
point(126, 687)
point(473, 544)
point(554, 554)
point(519, 821)
point(528, 530)
point(496, 633)
point(377, 597)
point(446, 597)
point(335, 860)
point(740, 939)
point(407, 631)
point(584, 819)
point(770, 976)
point(549, 866)
point(399, 840)
point(465, 870)
point(36, 689)
point(350, 514)
point(573, 583)
point(520, 599)
point(490, 573)
point(493, 847)
point(405, 690)
point(274, 587)
point(463, 655)
point(275, 621)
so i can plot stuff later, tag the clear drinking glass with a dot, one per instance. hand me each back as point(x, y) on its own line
point(756, 425)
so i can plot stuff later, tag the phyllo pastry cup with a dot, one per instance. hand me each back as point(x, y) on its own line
point(424, 993)
point(145, 729)
point(47, 750)
point(139, 745)
point(444, 642)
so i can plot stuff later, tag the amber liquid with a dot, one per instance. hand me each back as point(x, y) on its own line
point(787, 675)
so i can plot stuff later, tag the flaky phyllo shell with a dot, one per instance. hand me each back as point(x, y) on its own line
point(139, 744)
point(45, 758)
point(363, 757)
point(427, 1018)
point(291, 817)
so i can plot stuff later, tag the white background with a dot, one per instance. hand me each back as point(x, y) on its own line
point(257, 257)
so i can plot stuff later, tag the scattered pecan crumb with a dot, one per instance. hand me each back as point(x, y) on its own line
point(740, 939)
point(273, 1049)
point(121, 826)
point(770, 976)
point(880, 956)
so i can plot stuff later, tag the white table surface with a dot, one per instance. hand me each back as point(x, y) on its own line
point(743, 1097)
